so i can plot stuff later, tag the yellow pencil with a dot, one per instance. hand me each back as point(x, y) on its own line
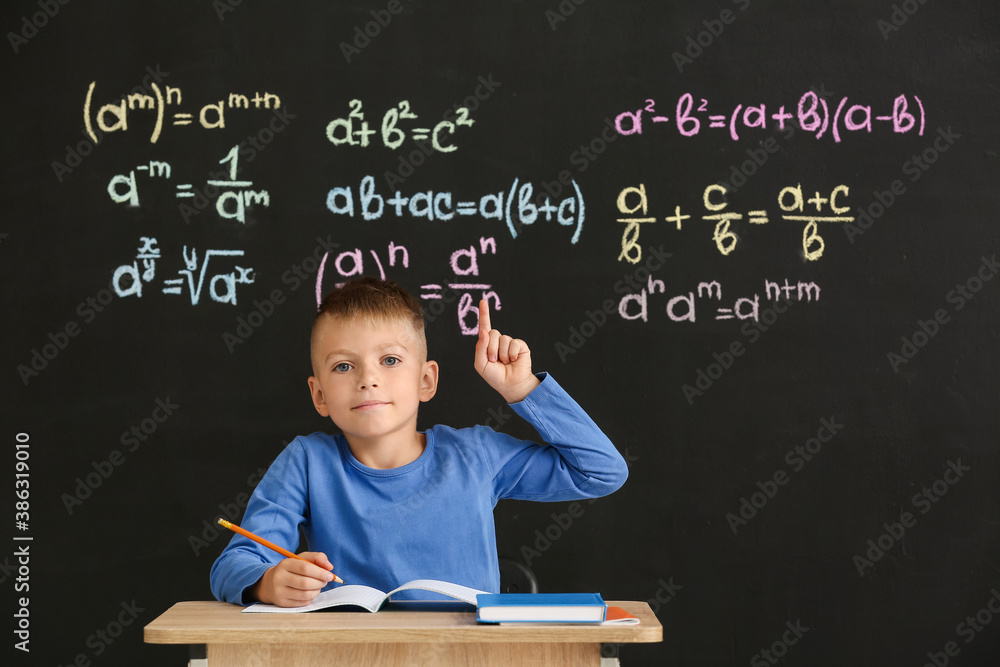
point(270, 545)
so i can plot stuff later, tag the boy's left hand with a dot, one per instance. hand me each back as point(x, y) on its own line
point(504, 362)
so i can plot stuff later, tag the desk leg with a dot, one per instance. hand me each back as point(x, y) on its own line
point(512, 654)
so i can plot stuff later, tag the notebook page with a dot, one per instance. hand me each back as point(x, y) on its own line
point(362, 596)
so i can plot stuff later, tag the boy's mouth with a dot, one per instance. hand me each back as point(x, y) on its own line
point(369, 405)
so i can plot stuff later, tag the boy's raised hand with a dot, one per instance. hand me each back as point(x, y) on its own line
point(294, 583)
point(504, 362)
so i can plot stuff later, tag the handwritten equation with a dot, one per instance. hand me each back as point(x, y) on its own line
point(233, 198)
point(683, 307)
point(114, 116)
point(514, 206)
point(354, 130)
point(791, 200)
point(128, 280)
point(463, 283)
point(812, 114)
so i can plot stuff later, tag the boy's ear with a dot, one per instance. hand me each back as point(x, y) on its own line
point(319, 400)
point(429, 381)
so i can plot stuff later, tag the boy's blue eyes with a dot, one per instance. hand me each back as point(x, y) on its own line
point(345, 367)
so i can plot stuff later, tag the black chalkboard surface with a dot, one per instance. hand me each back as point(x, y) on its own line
point(756, 241)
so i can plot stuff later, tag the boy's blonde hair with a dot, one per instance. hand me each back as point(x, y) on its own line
point(373, 301)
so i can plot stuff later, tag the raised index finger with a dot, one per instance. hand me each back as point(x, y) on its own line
point(484, 317)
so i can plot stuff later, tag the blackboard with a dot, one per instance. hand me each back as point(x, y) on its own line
point(795, 348)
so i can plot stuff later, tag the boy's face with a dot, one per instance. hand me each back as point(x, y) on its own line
point(370, 379)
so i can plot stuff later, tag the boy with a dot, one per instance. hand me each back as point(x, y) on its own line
point(385, 502)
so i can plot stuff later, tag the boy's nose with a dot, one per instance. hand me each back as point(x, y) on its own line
point(368, 379)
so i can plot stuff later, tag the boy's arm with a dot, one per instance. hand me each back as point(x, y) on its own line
point(246, 572)
point(576, 461)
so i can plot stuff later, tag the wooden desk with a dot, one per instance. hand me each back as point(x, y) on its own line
point(392, 638)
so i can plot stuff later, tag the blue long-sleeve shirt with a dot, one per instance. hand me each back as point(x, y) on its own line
point(429, 519)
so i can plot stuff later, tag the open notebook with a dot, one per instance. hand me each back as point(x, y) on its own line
point(370, 598)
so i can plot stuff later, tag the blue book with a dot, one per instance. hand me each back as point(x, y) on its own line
point(540, 608)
